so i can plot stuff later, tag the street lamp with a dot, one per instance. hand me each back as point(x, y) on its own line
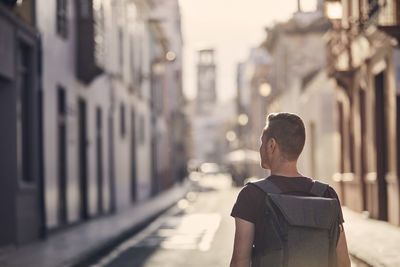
point(230, 136)
point(334, 10)
point(243, 119)
point(264, 89)
point(170, 56)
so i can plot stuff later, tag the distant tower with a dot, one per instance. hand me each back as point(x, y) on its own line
point(299, 6)
point(206, 82)
point(321, 6)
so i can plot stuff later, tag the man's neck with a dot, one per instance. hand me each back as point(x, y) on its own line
point(286, 168)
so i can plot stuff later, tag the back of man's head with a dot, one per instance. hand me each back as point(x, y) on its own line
point(288, 131)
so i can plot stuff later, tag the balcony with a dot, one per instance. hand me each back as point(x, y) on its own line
point(388, 19)
point(90, 45)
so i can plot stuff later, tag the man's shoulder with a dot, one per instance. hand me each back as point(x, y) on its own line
point(252, 190)
point(331, 192)
point(248, 203)
point(251, 193)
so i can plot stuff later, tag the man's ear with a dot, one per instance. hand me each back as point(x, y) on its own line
point(272, 144)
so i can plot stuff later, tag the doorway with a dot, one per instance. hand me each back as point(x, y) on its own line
point(398, 134)
point(313, 146)
point(99, 159)
point(340, 109)
point(154, 172)
point(62, 155)
point(133, 157)
point(83, 160)
point(111, 163)
point(381, 144)
point(363, 159)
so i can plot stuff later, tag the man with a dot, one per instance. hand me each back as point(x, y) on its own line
point(282, 141)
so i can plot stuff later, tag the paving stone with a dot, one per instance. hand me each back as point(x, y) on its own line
point(374, 242)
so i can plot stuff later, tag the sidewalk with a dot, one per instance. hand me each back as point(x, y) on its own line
point(374, 242)
point(72, 246)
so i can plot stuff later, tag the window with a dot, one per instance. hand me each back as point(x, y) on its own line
point(62, 154)
point(387, 14)
point(122, 120)
point(141, 130)
point(140, 64)
point(342, 135)
point(135, 44)
point(132, 58)
point(120, 50)
point(24, 119)
point(62, 23)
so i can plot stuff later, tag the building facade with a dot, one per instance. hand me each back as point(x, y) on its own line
point(252, 92)
point(203, 122)
point(172, 122)
point(21, 146)
point(85, 139)
point(206, 81)
point(347, 95)
point(362, 59)
point(286, 74)
point(96, 108)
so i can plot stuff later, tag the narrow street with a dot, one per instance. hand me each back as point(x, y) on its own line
point(118, 118)
point(198, 231)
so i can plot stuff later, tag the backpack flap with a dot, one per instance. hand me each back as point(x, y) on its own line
point(315, 212)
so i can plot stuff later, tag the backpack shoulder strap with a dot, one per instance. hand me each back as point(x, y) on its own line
point(267, 186)
point(318, 188)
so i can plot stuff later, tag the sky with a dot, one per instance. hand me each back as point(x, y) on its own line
point(231, 27)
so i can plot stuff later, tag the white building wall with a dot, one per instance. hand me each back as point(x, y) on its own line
point(59, 69)
point(96, 95)
point(106, 91)
point(294, 58)
point(134, 30)
point(318, 104)
point(120, 40)
point(122, 147)
point(168, 13)
point(144, 149)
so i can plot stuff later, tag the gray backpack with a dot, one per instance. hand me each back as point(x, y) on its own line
point(299, 231)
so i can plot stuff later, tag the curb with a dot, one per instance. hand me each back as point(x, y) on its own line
point(90, 256)
point(79, 245)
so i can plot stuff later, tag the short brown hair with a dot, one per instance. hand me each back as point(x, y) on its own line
point(288, 131)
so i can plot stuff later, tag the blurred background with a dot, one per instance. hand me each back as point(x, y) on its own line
point(128, 127)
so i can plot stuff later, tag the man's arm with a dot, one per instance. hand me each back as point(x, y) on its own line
point(341, 250)
point(243, 244)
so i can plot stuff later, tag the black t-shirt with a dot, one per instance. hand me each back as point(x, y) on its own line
point(250, 204)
